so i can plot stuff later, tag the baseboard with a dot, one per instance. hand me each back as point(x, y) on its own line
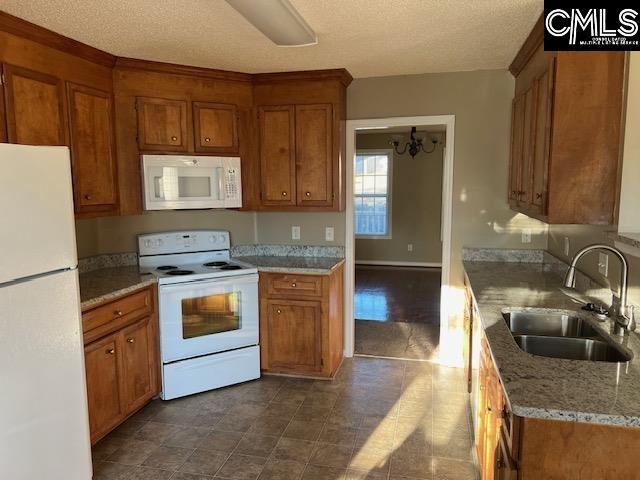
point(399, 264)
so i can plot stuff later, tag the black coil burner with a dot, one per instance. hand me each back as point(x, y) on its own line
point(231, 267)
point(166, 267)
point(180, 272)
point(215, 264)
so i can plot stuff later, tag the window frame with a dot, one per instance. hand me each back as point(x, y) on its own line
point(376, 151)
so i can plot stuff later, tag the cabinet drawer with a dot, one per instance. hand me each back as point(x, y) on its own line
point(297, 285)
point(136, 304)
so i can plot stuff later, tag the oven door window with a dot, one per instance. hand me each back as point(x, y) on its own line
point(212, 314)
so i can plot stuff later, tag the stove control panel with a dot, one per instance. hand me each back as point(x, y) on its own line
point(183, 241)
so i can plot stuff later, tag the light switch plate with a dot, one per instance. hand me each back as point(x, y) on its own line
point(526, 235)
point(295, 232)
point(603, 264)
point(410, 247)
point(328, 234)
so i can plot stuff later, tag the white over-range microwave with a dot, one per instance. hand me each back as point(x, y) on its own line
point(177, 182)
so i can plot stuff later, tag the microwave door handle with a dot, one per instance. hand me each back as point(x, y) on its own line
point(221, 194)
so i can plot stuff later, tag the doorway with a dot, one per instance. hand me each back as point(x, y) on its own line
point(402, 291)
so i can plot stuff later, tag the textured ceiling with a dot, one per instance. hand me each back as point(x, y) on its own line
point(368, 37)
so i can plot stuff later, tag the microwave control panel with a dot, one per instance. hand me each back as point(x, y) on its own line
point(231, 184)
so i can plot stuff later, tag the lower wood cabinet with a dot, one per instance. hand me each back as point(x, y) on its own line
point(301, 323)
point(122, 364)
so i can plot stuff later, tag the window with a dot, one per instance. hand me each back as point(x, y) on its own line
point(373, 193)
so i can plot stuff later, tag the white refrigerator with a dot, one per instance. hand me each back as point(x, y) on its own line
point(44, 426)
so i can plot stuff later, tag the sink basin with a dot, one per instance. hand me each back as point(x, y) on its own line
point(571, 348)
point(549, 324)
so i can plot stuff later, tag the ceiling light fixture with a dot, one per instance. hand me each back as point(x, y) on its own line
point(414, 146)
point(278, 20)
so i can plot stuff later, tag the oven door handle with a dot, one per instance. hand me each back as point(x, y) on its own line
point(211, 282)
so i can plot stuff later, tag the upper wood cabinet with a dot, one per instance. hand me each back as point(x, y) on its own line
point(296, 155)
point(215, 127)
point(314, 167)
point(92, 149)
point(565, 134)
point(162, 124)
point(277, 155)
point(34, 107)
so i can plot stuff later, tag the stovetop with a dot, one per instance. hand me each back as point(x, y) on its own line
point(187, 267)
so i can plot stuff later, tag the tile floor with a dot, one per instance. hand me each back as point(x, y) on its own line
point(397, 311)
point(379, 419)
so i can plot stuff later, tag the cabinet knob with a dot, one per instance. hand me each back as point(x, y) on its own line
point(174, 138)
point(308, 194)
point(279, 311)
point(118, 313)
point(293, 284)
point(513, 192)
point(111, 351)
point(284, 194)
point(207, 139)
point(499, 463)
point(131, 340)
point(538, 195)
point(87, 197)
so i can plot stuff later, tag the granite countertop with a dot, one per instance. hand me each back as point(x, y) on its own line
point(570, 390)
point(104, 284)
point(293, 264)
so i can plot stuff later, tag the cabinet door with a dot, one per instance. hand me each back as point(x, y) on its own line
point(277, 155)
point(92, 148)
point(137, 361)
point(162, 124)
point(468, 342)
point(294, 335)
point(35, 112)
point(215, 127)
point(314, 166)
point(524, 194)
point(505, 468)
point(515, 163)
point(102, 364)
point(542, 136)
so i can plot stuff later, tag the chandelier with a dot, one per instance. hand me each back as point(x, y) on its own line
point(415, 145)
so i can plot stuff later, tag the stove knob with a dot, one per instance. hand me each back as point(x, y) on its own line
point(160, 242)
point(212, 238)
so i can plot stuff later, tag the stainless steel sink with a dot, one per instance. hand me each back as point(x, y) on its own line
point(571, 348)
point(549, 324)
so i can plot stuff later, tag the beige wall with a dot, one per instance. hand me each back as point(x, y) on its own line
point(275, 227)
point(118, 234)
point(416, 205)
point(481, 103)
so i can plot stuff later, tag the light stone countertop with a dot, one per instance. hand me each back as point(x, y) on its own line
point(293, 264)
point(103, 284)
point(570, 390)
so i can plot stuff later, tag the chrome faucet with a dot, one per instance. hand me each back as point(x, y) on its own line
point(624, 317)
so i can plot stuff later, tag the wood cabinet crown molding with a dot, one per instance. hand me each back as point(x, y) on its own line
point(36, 33)
point(176, 69)
point(529, 47)
point(340, 74)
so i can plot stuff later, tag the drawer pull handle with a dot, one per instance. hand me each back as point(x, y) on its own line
point(131, 340)
point(279, 311)
point(538, 195)
point(207, 139)
point(174, 138)
point(293, 285)
point(118, 313)
point(87, 197)
point(284, 194)
point(111, 351)
point(308, 194)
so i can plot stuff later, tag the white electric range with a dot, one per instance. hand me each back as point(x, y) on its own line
point(208, 310)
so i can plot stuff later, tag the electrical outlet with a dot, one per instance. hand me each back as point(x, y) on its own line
point(566, 246)
point(328, 234)
point(295, 232)
point(410, 247)
point(526, 235)
point(603, 264)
